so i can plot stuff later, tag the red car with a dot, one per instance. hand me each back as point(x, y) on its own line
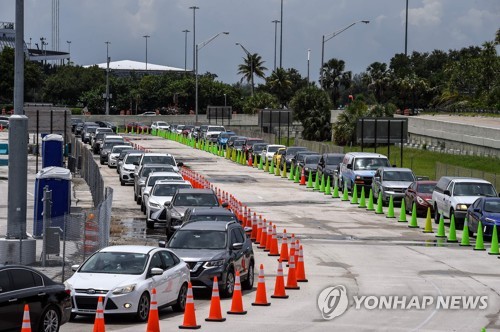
point(420, 193)
point(137, 127)
point(248, 146)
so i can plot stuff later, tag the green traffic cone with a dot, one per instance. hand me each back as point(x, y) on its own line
point(465, 235)
point(283, 172)
point(271, 168)
point(479, 237)
point(292, 172)
point(266, 168)
point(441, 232)
point(362, 200)
point(379, 209)
point(345, 194)
point(402, 213)
point(261, 164)
point(354, 199)
point(277, 170)
point(413, 221)
point(316, 182)
point(370, 201)
point(494, 242)
point(309, 181)
point(298, 174)
point(328, 188)
point(452, 236)
point(322, 185)
point(390, 209)
point(336, 191)
point(428, 222)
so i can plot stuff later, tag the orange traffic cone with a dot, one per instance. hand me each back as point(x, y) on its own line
point(261, 295)
point(189, 314)
point(259, 230)
point(274, 243)
point(301, 271)
point(244, 217)
point(292, 246)
point(296, 253)
point(237, 302)
point(284, 248)
point(153, 319)
point(302, 178)
point(99, 317)
point(26, 327)
point(250, 160)
point(253, 235)
point(279, 286)
point(269, 237)
point(291, 282)
point(215, 314)
point(263, 235)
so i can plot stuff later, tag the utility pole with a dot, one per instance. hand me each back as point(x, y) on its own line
point(194, 35)
point(281, 36)
point(107, 76)
point(275, 39)
point(185, 49)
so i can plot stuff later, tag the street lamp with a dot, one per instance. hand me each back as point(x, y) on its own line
point(146, 36)
point(275, 39)
point(185, 48)
point(69, 50)
point(194, 33)
point(327, 38)
point(225, 100)
point(281, 35)
point(250, 57)
point(308, 62)
point(197, 48)
point(107, 76)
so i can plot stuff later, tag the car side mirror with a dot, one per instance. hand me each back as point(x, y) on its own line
point(156, 271)
point(74, 267)
point(162, 244)
point(237, 246)
point(477, 210)
point(180, 164)
point(225, 205)
point(447, 193)
point(136, 163)
point(247, 229)
point(349, 166)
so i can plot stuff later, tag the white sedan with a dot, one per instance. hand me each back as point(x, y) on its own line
point(161, 193)
point(124, 277)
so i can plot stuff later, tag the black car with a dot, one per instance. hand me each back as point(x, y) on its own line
point(106, 124)
point(215, 249)
point(298, 159)
point(230, 141)
point(329, 165)
point(74, 124)
point(208, 214)
point(49, 302)
point(289, 154)
point(310, 165)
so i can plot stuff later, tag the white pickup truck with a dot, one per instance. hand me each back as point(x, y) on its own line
point(454, 195)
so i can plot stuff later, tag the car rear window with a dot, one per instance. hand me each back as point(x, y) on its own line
point(132, 159)
point(158, 160)
point(398, 176)
point(426, 188)
point(212, 218)
point(193, 199)
point(169, 189)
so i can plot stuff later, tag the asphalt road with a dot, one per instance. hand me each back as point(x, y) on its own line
point(368, 254)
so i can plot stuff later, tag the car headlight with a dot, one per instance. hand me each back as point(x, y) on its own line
point(493, 221)
point(307, 169)
point(176, 214)
point(358, 177)
point(461, 207)
point(130, 169)
point(386, 188)
point(142, 182)
point(216, 263)
point(420, 201)
point(154, 204)
point(124, 289)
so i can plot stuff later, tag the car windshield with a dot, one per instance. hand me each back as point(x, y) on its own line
point(152, 179)
point(109, 145)
point(148, 170)
point(492, 206)
point(168, 189)
point(332, 160)
point(91, 129)
point(370, 163)
point(198, 239)
point(238, 143)
point(118, 149)
point(312, 159)
point(133, 159)
point(426, 188)
point(213, 218)
point(226, 135)
point(158, 160)
point(473, 189)
point(273, 148)
point(398, 176)
point(196, 200)
point(215, 129)
point(161, 123)
point(115, 263)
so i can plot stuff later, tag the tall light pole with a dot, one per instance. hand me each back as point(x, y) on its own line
point(146, 36)
point(69, 51)
point(406, 30)
point(197, 48)
point(250, 57)
point(281, 36)
point(327, 38)
point(194, 34)
point(185, 48)
point(275, 39)
point(225, 100)
point(308, 62)
point(107, 76)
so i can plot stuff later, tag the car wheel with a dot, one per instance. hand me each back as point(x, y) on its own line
point(50, 320)
point(143, 208)
point(248, 283)
point(102, 162)
point(122, 182)
point(180, 304)
point(436, 215)
point(143, 308)
point(150, 224)
point(228, 289)
point(72, 316)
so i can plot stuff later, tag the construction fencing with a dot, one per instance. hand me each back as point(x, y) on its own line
point(451, 170)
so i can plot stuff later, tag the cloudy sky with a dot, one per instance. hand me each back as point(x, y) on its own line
point(433, 24)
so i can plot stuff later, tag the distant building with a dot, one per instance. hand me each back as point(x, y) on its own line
point(127, 67)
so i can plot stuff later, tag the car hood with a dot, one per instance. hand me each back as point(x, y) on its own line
point(465, 199)
point(367, 173)
point(197, 255)
point(396, 184)
point(181, 209)
point(103, 281)
point(160, 199)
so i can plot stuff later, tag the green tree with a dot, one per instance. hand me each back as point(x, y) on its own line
point(252, 65)
point(378, 80)
point(344, 129)
point(260, 100)
point(312, 107)
point(335, 78)
point(280, 85)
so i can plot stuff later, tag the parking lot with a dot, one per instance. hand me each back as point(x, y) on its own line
point(344, 245)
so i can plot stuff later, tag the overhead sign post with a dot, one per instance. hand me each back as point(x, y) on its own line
point(269, 118)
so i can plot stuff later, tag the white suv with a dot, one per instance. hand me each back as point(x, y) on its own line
point(454, 195)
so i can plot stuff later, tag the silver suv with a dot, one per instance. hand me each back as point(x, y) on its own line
point(454, 195)
point(391, 181)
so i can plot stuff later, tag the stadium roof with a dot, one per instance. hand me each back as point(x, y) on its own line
point(129, 65)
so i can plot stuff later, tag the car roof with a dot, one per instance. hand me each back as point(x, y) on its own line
point(393, 169)
point(140, 249)
point(460, 179)
point(172, 182)
point(164, 174)
point(334, 154)
point(154, 154)
point(195, 191)
point(206, 225)
point(122, 146)
point(273, 145)
point(366, 154)
point(211, 211)
point(426, 182)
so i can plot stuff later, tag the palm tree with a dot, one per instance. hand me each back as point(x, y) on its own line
point(497, 37)
point(378, 79)
point(252, 65)
point(280, 84)
point(334, 77)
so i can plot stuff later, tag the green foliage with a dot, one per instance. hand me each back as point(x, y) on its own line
point(259, 101)
point(344, 130)
point(312, 107)
point(252, 64)
point(335, 79)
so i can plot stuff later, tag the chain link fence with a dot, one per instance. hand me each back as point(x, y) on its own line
point(451, 170)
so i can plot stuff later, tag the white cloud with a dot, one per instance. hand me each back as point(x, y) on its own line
point(429, 15)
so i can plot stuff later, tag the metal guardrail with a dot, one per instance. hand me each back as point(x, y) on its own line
point(452, 170)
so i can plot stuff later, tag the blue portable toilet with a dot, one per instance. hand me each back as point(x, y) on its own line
point(52, 150)
point(58, 180)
